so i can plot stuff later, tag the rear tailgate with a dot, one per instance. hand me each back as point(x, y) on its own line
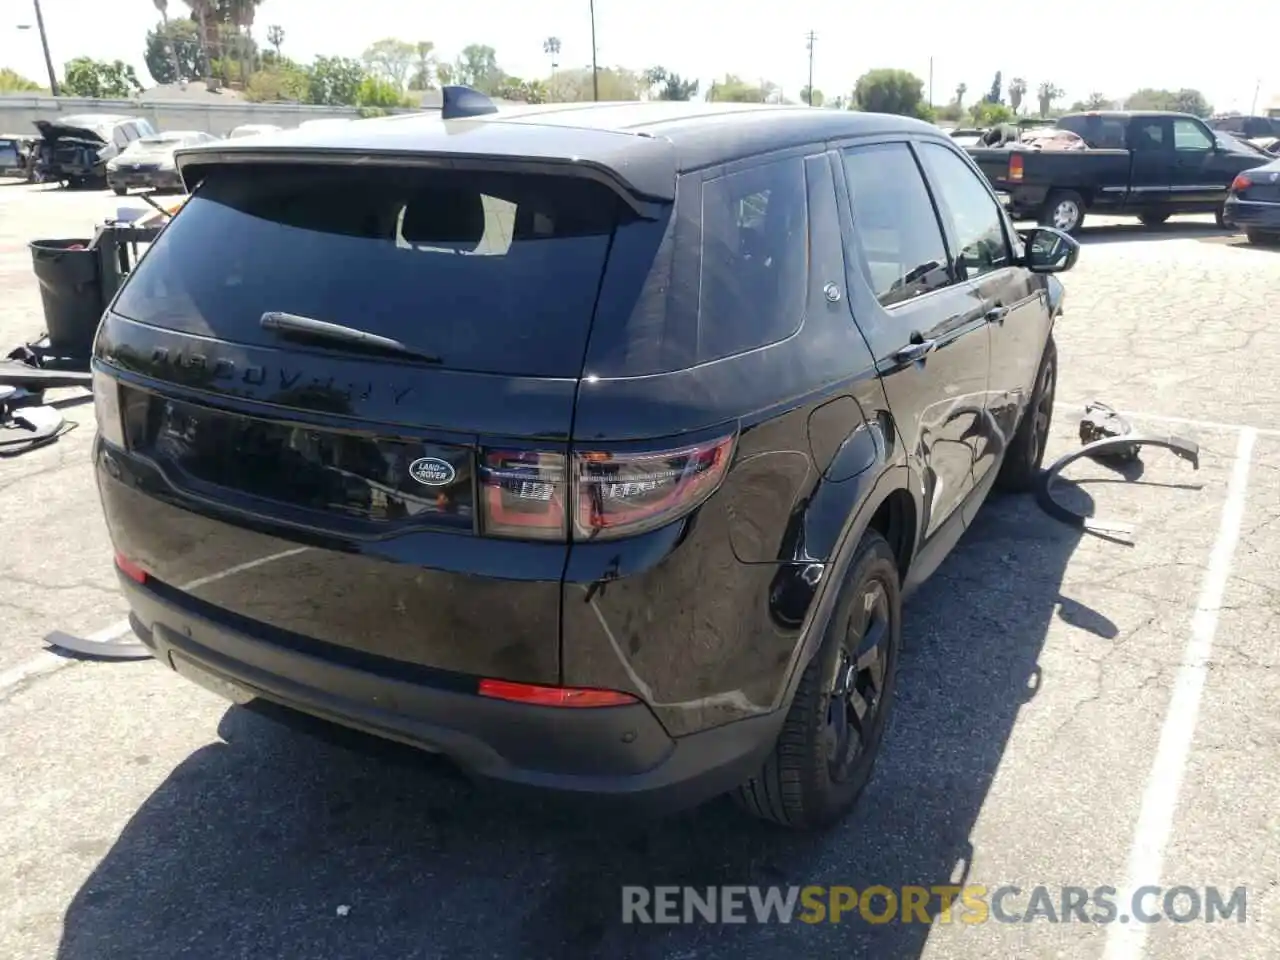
point(390, 506)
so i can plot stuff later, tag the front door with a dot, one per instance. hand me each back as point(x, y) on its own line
point(1151, 146)
point(924, 327)
point(1201, 174)
point(1011, 300)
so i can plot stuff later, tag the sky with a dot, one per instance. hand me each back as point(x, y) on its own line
point(1108, 46)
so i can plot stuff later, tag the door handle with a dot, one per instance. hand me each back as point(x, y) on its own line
point(916, 350)
point(996, 314)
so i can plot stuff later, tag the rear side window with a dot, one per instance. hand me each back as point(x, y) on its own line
point(893, 217)
point(754, 257)
point(491, 272)
point(1101, 133)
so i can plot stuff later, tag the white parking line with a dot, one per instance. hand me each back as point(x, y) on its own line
point(1078, 408)
point(1159, 801)
point(46, 662)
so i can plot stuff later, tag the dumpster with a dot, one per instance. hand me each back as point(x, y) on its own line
point(70, 276)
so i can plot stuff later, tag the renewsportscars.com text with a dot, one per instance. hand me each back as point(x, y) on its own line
point(972, 904)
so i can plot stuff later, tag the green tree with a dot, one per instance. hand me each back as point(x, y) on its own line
point(733, 89)
point(283, 80)
point(202, 12)
point(426, 69)
point(988, 114)
point(886, 90)
point(1095, 101)
point(1180, 101)
point(275, 37)
point(995, 94)
point(1046, 93)
point(523, 91)
point(662, 84)
point(173, 52)
point(335, 82)
point(616, 83)
point(380, 92)
point(11, 81)
point(1017, 90)
point(1192, 101)
point(391, 61)
point(961, 90)
point(477, 67)
point(817, 100)
point(86, 77)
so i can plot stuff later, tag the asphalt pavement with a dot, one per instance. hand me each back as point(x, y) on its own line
point(1072, 713)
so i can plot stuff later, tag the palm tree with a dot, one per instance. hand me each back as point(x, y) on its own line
point(275, 37)
point(200, 12)
point(162, 6)
point(241, 14)
point(551, 47)
point(1017, 90)
point(961, 90)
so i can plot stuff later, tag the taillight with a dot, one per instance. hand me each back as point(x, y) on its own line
point(618, 495)
point(1241, 183)
point(553, 696)
point(106, 406)
point(130, 569)
point(607, 493)
point(1015, 167)
point(523, 494)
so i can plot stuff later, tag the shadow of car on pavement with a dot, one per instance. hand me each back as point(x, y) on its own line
point(251, 845)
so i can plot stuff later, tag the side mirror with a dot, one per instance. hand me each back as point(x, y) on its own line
point(1049, 250)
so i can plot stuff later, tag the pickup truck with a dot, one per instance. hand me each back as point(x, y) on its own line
point(1147, 165)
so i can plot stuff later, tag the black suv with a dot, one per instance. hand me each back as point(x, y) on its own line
point(592, 445)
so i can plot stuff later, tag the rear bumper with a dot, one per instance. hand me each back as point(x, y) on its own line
point(1251, 214)
point(1021, 201)
point(617, 753)
point(154, 179)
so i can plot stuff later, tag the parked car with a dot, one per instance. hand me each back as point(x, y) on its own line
point(1148, 165)
point(593, 446)
point(149, 162)
point(1253, 204)
point(75, 149)
point(17, 155)
point(1247, 127)
point(252, 130)
point(1268, 145)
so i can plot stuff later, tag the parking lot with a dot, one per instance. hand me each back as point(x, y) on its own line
point(1072, 712)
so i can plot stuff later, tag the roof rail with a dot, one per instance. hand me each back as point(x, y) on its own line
point(460, 101)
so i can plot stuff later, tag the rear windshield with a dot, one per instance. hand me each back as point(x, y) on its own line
point(491, 272)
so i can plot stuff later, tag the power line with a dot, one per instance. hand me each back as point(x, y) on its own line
point(810, 37)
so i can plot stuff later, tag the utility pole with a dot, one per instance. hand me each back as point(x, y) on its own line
point(1253, 108)
point(595, 71)
point(931, 81)
point(810, 37)
point(44, 42)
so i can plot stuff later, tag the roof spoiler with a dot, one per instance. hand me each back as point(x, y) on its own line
point(460, 102)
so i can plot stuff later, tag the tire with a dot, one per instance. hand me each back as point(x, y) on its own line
point(1152, 219)
point(1260, 239)
point(1063, 209)
point(1025, 454)
point(802, 785)
point(120, 191)
point(1220, 218)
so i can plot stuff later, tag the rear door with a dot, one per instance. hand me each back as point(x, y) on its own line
point(411, 507)
point(927, 334)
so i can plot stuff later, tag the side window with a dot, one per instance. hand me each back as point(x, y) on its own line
point(754, 258)
point(120, 136)
point(895, 223)
point(1188, 136)
point(976, 218)
point(1148, 135)
point(145, 129)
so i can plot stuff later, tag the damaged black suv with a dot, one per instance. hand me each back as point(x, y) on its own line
point(594, 446)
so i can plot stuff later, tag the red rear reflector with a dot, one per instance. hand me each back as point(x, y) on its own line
point(1240, 184)
point(131, 569)
point(1015, 167)
point(553, 696)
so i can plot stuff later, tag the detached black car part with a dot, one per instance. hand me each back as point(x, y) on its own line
point(25, 423)
point(1106, 436)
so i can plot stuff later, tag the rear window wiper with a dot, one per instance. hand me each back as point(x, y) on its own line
point(292, 325)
